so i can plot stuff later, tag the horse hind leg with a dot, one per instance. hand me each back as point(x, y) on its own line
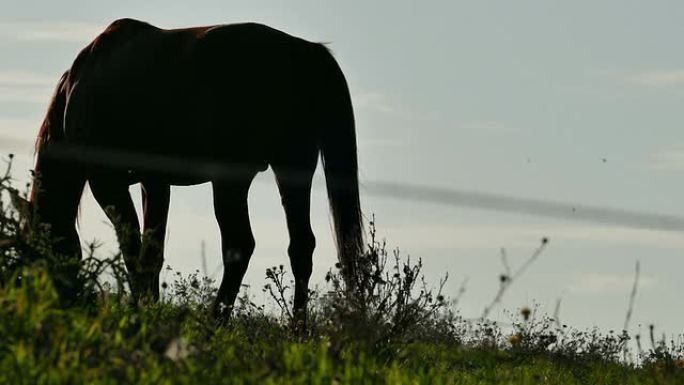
point(237, 241)
point(295, 192)
point(115, 200)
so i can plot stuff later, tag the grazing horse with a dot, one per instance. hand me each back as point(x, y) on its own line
point(214, 104)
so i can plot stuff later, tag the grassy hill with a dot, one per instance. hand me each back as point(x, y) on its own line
point(110, 342)
point(396, 329)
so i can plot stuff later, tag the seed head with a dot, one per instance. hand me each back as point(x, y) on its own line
point(525, 312)
point(515, 339)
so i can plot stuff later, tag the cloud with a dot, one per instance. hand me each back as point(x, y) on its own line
point(371, 143)
point(18, 135)
point(373, 101)
point(26, 86)
point(492, 127)
point(659, 78)
point(667, 160)
point(616, 236)
point(9, 78)
point(602, 283)
point(38, 95)
point(384, 103)
point(64, 32)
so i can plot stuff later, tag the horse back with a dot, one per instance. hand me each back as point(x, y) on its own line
point(260, 86)
point(231, 93)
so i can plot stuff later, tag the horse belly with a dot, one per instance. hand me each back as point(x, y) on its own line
point(141, 129)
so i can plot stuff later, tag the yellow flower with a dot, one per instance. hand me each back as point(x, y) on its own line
point(515, 339)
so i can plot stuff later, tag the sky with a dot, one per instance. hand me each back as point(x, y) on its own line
point(576, 102)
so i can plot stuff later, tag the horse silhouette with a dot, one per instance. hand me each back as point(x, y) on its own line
point(214, 104)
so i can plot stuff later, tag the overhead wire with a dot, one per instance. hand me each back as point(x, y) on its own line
point(201, 169)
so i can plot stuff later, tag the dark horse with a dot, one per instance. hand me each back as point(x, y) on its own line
point(188, 106)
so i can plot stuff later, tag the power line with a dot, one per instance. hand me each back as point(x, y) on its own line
point(453, 197)
point(429, 194)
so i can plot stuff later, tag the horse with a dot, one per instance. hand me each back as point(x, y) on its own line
point(218, 104)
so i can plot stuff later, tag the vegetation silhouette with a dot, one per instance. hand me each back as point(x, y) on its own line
point(214, 104)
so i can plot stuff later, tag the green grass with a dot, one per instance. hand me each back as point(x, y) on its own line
point(396, 329)
point(110, 342)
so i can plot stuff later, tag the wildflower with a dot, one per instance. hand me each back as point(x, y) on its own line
point(679, 363)
point(525, 312)
point(179, 348)
point(515, 339)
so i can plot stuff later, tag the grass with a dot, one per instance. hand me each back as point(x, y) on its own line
point(175, 343)
point(397, 329)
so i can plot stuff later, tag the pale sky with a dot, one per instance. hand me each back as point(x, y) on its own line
point(524, 98)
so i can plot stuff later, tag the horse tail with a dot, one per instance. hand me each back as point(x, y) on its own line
point(340, 164)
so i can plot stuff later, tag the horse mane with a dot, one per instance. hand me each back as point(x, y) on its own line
point(52, 127)
point(55, 114)
point(111, 35)
point(51, 130)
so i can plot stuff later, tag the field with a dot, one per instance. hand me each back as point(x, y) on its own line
point(397, 329)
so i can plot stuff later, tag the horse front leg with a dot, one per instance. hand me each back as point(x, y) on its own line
point(156, 197)
point(115, 199)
